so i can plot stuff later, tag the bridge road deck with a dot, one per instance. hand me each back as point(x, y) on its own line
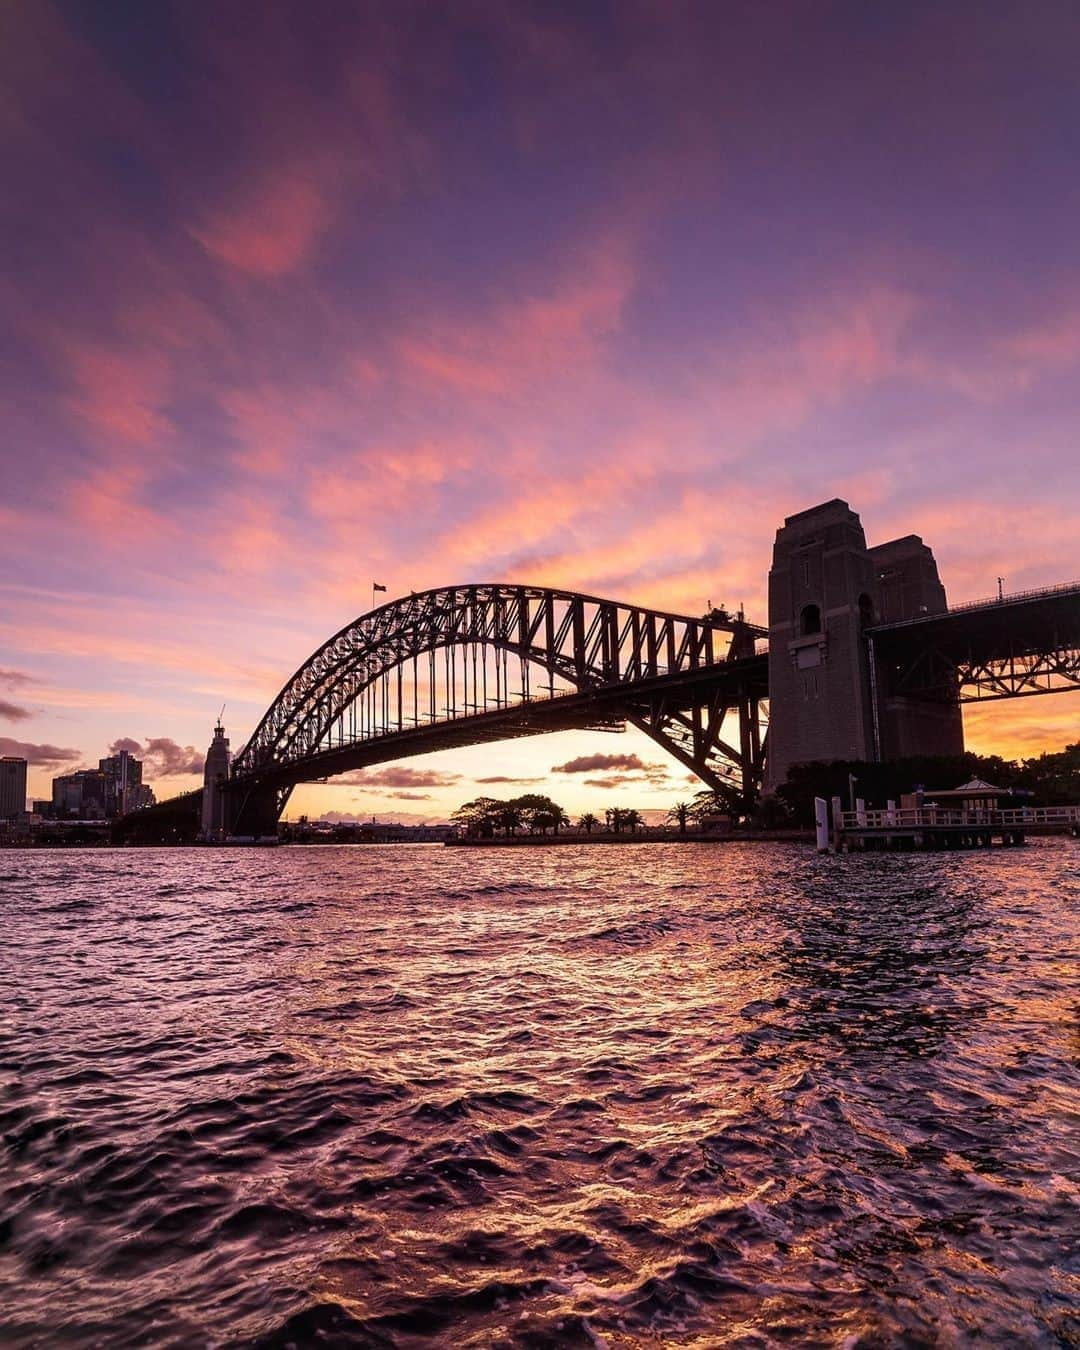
point(1012, 646)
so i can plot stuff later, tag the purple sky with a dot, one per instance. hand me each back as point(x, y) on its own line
point(298, 296)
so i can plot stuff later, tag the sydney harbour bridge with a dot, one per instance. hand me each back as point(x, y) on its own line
point(860, 659)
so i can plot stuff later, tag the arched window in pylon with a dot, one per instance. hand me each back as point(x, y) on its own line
point(866, 611)
point(809, 620)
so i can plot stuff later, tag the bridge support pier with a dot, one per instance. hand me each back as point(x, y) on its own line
point(829, 694)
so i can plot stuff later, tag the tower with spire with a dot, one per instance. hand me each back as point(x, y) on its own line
point(215, 822)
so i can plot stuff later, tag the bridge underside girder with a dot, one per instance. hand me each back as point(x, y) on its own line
point(1008, 673)
point(1013, 649)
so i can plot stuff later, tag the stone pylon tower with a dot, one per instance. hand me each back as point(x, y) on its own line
point(821, 589)
point(215, 823)
point(829, 698)
point(908, 587)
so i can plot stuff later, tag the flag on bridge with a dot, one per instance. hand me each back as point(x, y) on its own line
point(376, 587)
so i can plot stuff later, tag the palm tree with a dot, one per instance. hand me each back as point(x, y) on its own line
point(615, 816)
point(680, 812)
point(587, 821)
point(633, 819)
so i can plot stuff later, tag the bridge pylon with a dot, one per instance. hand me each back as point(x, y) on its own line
point(830, 697)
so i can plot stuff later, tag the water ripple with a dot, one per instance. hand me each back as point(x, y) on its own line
point(731, 1096)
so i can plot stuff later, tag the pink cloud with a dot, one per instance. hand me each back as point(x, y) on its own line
point(558, 325)
point(1049, 345)
point(590, 763)
point(271, 227)
point(161, 756)
point(504, 778)
point(121, 391)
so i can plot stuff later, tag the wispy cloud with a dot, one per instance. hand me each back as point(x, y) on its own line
point(272, 226)
point(398, 776)
point(41, 756)
point(503, 778)
point(14, 679)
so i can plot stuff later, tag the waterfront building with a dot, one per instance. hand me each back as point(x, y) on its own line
point(111, 790)
point(214, 820)
point(12, 787)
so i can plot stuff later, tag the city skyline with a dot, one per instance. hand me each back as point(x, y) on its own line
point(512, 295)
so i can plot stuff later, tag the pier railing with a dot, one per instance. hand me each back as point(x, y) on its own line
point(926, 817)
point(930, 826)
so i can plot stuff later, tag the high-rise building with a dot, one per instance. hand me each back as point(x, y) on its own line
point(124, 788)
point(12, 787)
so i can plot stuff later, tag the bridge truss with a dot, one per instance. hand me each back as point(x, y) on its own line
point(1013, 646)
point(462, 665)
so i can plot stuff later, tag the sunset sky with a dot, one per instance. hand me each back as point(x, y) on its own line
point(300, 296)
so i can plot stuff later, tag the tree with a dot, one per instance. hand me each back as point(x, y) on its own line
point(616, 818)
point(554, 817)
point(540, 813)
point(1055, 777)
point(771, 813)
point(587, 822)
point(478, 817)
point(680, 812)
point(484, 815)
point(632, 819)
point(508, 816)
point(711, 802)
point(878, 783)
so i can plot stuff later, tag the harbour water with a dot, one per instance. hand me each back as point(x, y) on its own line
point(409, 1096)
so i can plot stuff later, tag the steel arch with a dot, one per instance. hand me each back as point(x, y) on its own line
point(597, 646)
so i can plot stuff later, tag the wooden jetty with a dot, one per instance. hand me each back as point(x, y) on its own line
point(932, 826)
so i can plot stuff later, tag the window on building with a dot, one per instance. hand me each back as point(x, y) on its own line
point(810, 620)
point(866, 611)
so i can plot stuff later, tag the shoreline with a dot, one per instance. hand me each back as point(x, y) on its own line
point(608, 837)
